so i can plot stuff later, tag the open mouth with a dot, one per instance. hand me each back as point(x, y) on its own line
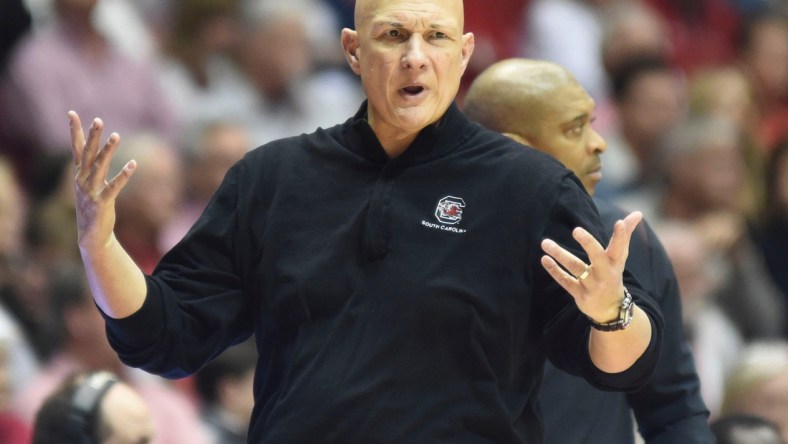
point(412, 90)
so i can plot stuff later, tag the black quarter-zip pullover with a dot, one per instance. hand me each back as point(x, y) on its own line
point(392, 300)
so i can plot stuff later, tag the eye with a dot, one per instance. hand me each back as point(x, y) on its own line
point(393, 33)
point(575, 131)
point(440, 35)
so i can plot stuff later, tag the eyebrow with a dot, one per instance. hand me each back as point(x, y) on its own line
point(398, 24)
point(579, 119)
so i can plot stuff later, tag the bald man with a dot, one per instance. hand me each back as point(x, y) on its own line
point(540, 104)
point(404, 273)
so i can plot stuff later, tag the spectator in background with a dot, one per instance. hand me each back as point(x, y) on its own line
point(225, 386)
point(17, 330)
point(630, 30)
point(705, 186)
point(51, 229)
point(759, 384)
point(579, 51)
point(281, 94)
point(15, 22)
point(152, 202)
point(724, 91)
point(68, 65)
point(716, 341)
point(220, 145)
point(94, 408)
point(746, 429)
point(84, 347)
point(764, 60)
point(196, 67)
point(650, 98)
point(701, 32)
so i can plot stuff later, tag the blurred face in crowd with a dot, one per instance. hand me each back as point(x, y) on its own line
point(126, 416)
point(276, 53)
point(410, 56)
point(716, 175)
point(154, 197)
point(769, 400)
point(654, 103)
point(767, 57)
point(220, 147)
point(690, 257)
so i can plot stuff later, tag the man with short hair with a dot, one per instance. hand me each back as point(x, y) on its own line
point(392, 268)
point(539, 103)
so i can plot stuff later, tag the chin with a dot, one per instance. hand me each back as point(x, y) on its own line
point(415, 119)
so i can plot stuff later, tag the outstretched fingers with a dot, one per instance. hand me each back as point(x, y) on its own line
point(100, 167)
point(93, 161)
point(618, 248)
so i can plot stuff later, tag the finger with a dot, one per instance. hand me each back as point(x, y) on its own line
point(77, 136)
point(559, 254)
point(90, 150)
point(103, 159)
point(120, 180)
point(618, 248)
point(564, 279)
point(592, 247)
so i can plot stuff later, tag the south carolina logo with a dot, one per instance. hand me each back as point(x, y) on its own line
point(449, 210)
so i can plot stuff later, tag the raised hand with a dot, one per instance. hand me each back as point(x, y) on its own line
point(597, 287)
point(95, 196)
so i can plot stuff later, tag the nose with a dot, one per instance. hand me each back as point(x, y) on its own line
point(597, 143)
point(414, 57)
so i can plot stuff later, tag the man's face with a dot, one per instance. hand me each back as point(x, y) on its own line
point(410, 56)
point(565, 132)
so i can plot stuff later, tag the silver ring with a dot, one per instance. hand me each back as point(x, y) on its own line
point(584, 274)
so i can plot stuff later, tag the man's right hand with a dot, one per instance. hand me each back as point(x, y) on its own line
point(117, 284)
point(95, 196)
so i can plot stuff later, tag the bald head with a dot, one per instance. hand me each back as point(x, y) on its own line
point(365, 10)
point(513, 96)
point(540, 104)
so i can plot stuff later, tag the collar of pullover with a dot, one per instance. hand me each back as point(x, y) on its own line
point(437, 140)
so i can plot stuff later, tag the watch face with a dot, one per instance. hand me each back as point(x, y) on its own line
point(624, 316)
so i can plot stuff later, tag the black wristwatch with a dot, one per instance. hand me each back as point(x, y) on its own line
point(624, 316)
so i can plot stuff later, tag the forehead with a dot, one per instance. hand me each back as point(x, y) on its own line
point(442, 13)
point(569, 102)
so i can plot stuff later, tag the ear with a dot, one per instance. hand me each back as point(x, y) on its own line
point(350, 48)
point(468, 43)
point(518, 138)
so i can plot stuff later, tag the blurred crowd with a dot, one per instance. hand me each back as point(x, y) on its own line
point(692, 97)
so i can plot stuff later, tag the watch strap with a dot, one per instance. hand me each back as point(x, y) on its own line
point(624, 316)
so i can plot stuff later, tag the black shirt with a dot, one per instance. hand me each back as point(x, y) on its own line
point(669, 409)
point(393, 300)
